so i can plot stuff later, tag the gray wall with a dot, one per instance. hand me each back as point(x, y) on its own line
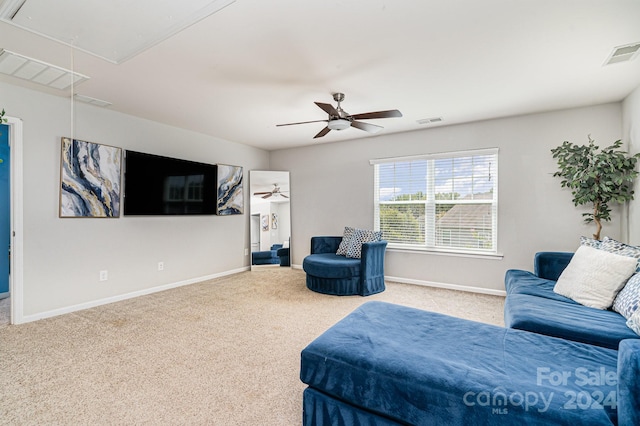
point(631, 134)
point(332, 187)
point(63, 257)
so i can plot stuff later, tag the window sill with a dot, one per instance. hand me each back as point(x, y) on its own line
point(474, 255)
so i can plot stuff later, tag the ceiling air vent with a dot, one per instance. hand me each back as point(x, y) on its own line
point(623, 53)
point(36, 71)
point(433, 120)
point(91, 101)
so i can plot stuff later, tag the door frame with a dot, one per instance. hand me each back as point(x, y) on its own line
point(16, 273)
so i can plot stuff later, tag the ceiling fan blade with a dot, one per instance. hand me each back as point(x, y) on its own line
point(322, 132)
point(329, 109)
point(261, 193)
point(378, 114)
point(268, 195)
point(301, 122)
point(282, 195)
point(371, 128)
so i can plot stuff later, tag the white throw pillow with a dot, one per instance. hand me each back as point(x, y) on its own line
point(594, 277)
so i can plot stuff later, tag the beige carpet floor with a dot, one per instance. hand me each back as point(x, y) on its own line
point(220, 352)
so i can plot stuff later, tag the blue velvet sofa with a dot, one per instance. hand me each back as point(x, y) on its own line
point(266, 257)
point(339, 275)
point(532, 305)
point(387, 364)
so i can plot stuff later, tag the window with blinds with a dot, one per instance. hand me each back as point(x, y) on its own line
point(445, 201)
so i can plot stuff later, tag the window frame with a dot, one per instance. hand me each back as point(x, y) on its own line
point(430, 203)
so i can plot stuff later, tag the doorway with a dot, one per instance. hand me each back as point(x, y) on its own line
point(11, 237)
point(5, 223)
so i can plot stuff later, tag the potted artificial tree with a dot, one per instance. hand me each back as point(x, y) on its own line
point(596, 177)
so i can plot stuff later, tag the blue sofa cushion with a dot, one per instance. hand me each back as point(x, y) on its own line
point(524, 282)
point(331, 265)
point(424, 368)
point(549, 265)
point(566, 320)
point(325, 244)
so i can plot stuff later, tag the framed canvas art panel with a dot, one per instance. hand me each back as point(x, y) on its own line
point(230, 198)
point(90, 178)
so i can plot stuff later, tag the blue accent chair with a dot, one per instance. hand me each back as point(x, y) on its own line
point(330, 273)
point(284, 256)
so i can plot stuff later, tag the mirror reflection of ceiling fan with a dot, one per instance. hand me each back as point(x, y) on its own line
point(339, 119)
point(274, 191)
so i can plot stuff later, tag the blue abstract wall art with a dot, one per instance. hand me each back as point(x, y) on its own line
point(230, 198)
point(90, 179)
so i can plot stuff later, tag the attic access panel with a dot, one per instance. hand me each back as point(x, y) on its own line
point(114, 30)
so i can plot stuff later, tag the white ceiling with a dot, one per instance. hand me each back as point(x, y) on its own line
point(254, 64)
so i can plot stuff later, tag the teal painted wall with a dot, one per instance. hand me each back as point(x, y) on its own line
point(5, 218)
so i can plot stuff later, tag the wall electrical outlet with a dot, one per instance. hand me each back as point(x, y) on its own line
point(246, 252)
point(104, 275)
point(160, 266)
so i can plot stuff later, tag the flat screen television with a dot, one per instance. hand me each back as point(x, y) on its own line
point(156, 185)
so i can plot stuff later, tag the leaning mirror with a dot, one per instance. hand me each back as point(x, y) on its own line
point(270, 219)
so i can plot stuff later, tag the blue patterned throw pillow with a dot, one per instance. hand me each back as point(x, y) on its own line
point(591, 242)
point(628, 300)
point(359, 237)
point(634, 322)
point(346, 240)
point(616, 247)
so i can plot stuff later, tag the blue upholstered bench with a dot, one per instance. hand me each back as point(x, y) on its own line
point(266, 257)
point(387, 364)
point(330, 273)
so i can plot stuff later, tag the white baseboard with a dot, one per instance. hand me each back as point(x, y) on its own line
point(458, 287)
point(118, 298)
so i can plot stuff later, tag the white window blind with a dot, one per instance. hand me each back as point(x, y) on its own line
point(445, 201)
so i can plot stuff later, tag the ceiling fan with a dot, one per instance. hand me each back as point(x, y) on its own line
point(274, 191)
point(339, 119)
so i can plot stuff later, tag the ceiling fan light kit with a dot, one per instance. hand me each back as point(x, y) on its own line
point(339, 124)
point(339, 119)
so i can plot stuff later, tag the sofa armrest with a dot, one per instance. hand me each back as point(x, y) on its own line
point(325, 244)
point(629, 382)
point(550, 264)
point(372, 258)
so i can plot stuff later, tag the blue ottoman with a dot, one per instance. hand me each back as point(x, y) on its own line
point(387, 364)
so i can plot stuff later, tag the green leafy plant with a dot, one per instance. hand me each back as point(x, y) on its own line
point(596, 177)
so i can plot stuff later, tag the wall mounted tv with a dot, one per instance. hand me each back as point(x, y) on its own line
point(155, 185)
